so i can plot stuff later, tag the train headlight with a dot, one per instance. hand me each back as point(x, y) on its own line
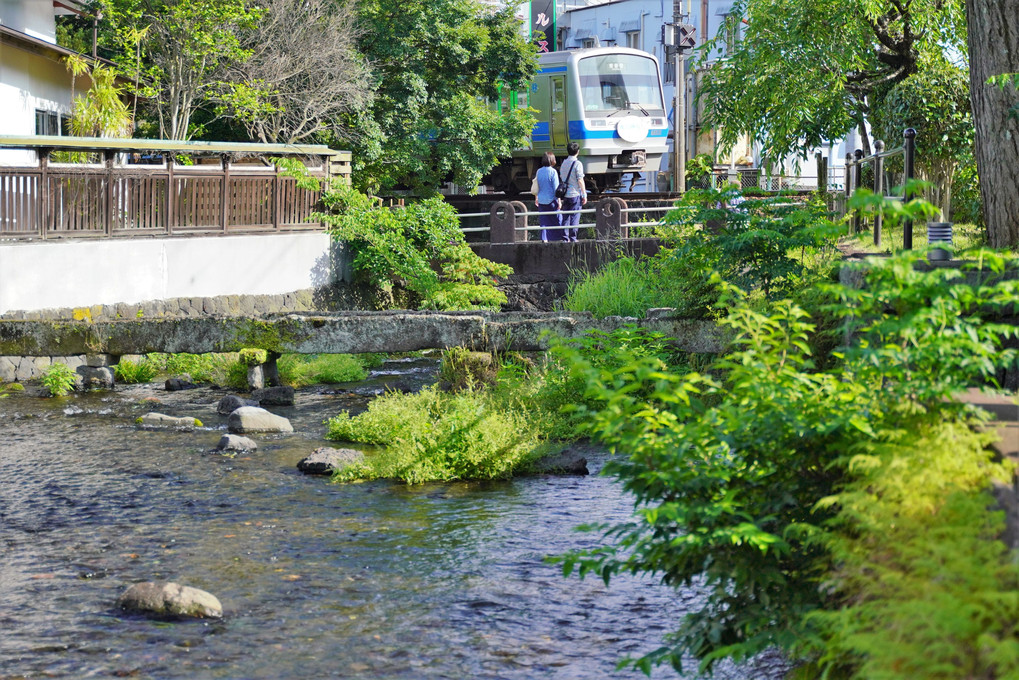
point(632, 129)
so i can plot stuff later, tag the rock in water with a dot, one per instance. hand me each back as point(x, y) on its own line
point(326, 461)
point(231, 403)
point(568, 462)
point(232, 442)
point(275, 396)
point(253, 419)
point(164, 598)
point(178, 384)
point(163, 420)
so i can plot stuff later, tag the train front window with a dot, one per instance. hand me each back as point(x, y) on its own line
point(618, 82)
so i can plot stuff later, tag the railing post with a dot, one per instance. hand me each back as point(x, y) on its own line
point(879, 184)
point(276, 196)
point(857, 181)
point(908, 156)
point(171, 193)
point(45, 196)
point(224, 203)
point(610, 219)
point(504, 221)
point(847, 183)
point(109, 156)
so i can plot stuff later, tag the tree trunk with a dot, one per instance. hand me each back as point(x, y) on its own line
point(993, 46)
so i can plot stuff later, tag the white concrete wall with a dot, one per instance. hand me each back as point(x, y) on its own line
point(36, 275)
point(34, 17)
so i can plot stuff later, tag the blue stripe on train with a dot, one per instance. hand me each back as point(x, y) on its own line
point(577, 131)
point(553, 69)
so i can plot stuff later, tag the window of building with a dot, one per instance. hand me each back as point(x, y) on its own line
point(588, 42)
point(633, 39)
point(47, 122)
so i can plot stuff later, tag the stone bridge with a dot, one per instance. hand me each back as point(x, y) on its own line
point(352, 332)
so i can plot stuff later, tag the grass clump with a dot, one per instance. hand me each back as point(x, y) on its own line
point(440, 436)
point(6, 389)
point(134, 372)
point(210, 368)
point(300, 370)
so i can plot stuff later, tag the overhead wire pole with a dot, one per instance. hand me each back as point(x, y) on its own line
point(679, 37)
point(679, 111)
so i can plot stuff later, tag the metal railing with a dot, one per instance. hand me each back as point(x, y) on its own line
point(140, 188)
point(514, 222)
point(881, 183)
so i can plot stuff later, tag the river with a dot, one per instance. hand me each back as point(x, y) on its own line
point(318, 580)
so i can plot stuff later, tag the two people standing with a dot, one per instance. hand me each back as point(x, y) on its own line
point(548, 200)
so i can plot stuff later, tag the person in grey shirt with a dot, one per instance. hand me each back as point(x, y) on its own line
point(572, 173)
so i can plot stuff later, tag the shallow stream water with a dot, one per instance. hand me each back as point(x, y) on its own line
point(318, 580)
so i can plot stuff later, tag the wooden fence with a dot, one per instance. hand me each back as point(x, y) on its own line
point(118, 197)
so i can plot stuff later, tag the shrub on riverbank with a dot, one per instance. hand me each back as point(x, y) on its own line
point(485, 429)
point(418, 247)
point(840, 514)
point(771, 247)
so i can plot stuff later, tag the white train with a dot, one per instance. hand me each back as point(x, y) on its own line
point(606, 99)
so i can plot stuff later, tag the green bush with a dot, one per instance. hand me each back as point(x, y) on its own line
point(823, 511)
point(59, 379)
point(132, 372)
point(419, 247)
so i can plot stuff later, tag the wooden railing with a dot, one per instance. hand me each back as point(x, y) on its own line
point(121, 197)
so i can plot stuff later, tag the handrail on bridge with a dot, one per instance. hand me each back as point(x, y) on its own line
point(854, 180)
point(510, 220)
point(86, 187)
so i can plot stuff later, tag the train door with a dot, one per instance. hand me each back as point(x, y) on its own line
point(557, 119)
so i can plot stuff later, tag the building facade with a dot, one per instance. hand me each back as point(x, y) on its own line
point(35, 85)
point(639, 24)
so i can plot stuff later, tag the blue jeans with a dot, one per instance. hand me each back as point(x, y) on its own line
point(549, 221)
point(574, 219)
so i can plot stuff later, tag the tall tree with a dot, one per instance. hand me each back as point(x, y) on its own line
point(806, 71)
point(993, 53)
point(436, 62)
point(303, 71)
point(186, 47)
point(935, 102)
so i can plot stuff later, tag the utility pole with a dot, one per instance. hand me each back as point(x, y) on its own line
point(679, 110)
point(679, 38)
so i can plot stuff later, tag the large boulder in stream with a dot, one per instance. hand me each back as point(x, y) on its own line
point(253, 419)
point(164, 598)
point(326, 461)
point(231, 403)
